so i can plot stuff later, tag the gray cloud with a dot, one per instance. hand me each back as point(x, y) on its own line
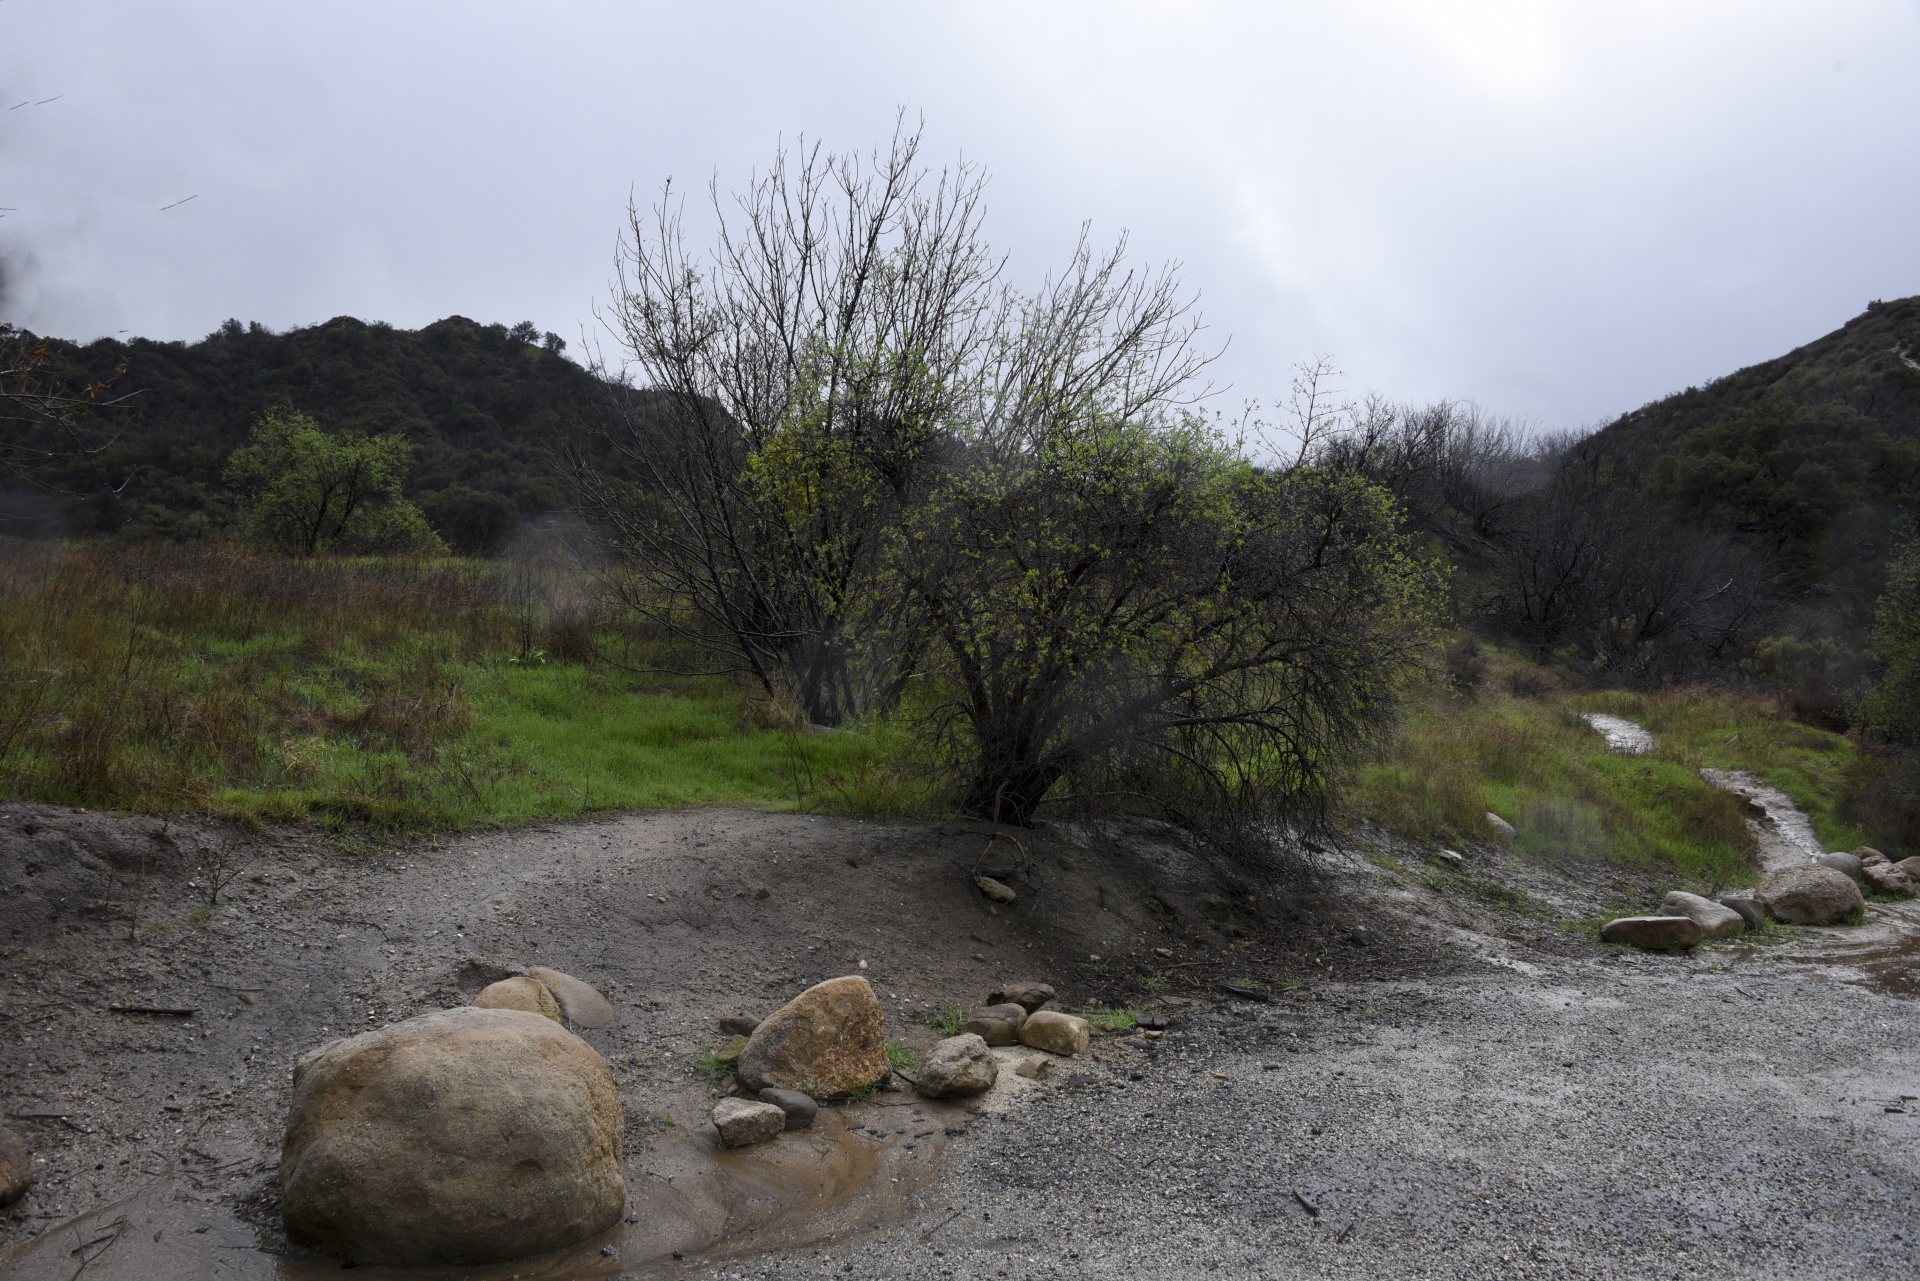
point(1558, 211)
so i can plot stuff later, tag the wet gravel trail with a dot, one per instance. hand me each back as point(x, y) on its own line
point(1619, 1117)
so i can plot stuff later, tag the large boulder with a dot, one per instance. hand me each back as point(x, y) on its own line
point(1057, 1033)
point(519, 993)
point(1502, 829)
point(827, 1042)
point(1911, 866)
point(1850, 864)
point(467, 1136)
point(1810, 894)
point(744, 1122)
point(16, 1166)
point(1885, 878)
point(1715, 920)
point(1653, 933)
point(956, 1066)
point(996, 1024)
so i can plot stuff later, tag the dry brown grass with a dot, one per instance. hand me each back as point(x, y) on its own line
point(155, 676)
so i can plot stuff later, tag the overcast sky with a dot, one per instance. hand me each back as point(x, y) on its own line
point(1559, 211)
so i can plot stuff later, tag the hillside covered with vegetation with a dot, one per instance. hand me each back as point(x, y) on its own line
point(1814, 456)
point(481, 405)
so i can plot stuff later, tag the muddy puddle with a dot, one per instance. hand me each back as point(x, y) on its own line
point(859, 1166)
point(1882, 955)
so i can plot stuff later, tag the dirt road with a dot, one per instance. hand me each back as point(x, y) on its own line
point(1476, 1091)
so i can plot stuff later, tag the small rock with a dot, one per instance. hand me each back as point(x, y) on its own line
point(1752, 908)
point(730, 1052)
point(1447, 856)
point(1057, 1033)
point(1501, 828)
point(1715, 920)
point(1243, 992)
point(828, 1041)
point(1885, 878)
point(1028, 996)
point(1867, 854)
point(1033, 1066)
point(580, 1002)
point(1151, 1022)
point(1652, 933)
point(762, 892)
point(16, 1166)
point(519, 993)
point(997, 1024)
point(1810, 894)
point(959, 1065)
point(1359, 936)
point(744, 1122)
point(1164, 953)
point(800, 1108)
point(1839, 862)
point(994, 889)
point(735, 1025)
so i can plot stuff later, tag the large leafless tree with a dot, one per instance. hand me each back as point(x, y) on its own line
point(800, 375)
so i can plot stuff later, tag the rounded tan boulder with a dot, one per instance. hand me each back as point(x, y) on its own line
point(956, 1066)
point(16, 1167)
point(530, 995)
point(1057, 1033)
point(997, 1024)
point(467, 1136)
point(828, 1042)
point(1810, 894)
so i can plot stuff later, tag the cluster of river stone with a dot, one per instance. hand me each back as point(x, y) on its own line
point(492, 1132)
point(1824, 891)
point(828, 1043)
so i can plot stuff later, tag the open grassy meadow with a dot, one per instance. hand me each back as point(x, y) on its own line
point(399, 695)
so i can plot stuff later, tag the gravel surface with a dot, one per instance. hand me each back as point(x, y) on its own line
point(1478, 1090)
point(1618, 1117)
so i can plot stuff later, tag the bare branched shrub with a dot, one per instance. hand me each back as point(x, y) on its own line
point(798, 377)
point(219, 861)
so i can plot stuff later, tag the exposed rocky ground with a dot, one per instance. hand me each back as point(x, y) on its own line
point(1463, 1085)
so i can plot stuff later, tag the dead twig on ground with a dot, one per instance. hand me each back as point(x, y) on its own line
point(936, 1227)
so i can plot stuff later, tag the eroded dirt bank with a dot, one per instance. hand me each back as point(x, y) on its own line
point(1475, 1091)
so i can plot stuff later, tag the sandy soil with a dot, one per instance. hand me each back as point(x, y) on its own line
point(1466, 999)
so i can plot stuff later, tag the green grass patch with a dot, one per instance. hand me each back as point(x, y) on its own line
point(1718, 729)
point(392, 696)
point(1518, 748)
point(947, 1019)
point(1115, 1022)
